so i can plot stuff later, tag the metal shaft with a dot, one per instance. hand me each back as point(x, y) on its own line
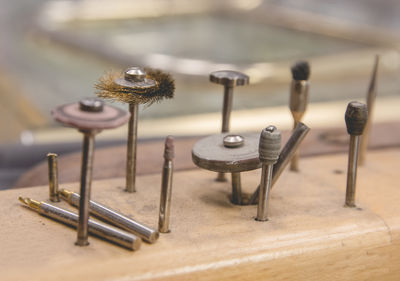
point(265, 187)
point(285, 156)
point(298, 105)
point(86, 181)
point(226, 118)
point(165, 198)
point(227, 108)
point(53, 177)
point(352, 171)
point(103, 231)
point(236, 189)
point(113, 217)
point(371, 96)
point(294, 164)
point(132, 145)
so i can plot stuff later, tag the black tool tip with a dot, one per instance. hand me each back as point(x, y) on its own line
point(301, 70)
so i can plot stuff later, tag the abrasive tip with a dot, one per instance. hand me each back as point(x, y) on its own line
point(301, 70)
point(169, 153)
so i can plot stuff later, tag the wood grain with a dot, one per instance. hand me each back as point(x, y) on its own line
point(310, 235)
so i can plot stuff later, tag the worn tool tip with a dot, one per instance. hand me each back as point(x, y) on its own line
point(23, 200)
point(169, 152)
point(301, 70)
point(356, 117)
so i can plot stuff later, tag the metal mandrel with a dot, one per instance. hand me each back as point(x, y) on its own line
point(285, 156)
point(298, 99)
point(269, 147)
point(228, 79)
point(103, 231)
point(166, 186)
point(137, 86)
point(113, 217)
point(356, 117)
point(90, 116)
point(53, 177)
point(371, 97)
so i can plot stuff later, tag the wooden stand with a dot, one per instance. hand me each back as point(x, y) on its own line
point(310, 235)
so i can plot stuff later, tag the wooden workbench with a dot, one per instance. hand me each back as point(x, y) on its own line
point(310, 235)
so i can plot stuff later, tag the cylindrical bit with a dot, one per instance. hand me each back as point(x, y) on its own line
point(166, 186)
point(113, 217)
point(232, 142)
point(298, 99)
point(352, 171)
point(236, 189)
point(86, 182)
point(285, 156)
point(132, 148)
point(371, 96)
point(106, 232)
point(229, 79)
point(356, 117)
point(269, 147)
point(53, 177)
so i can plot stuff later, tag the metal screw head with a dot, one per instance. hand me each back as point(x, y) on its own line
point(270, 128)
point(229, 78)
point(233, 141)
point(91, 105)
point(135, 74)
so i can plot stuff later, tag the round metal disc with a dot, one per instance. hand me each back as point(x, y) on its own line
point(72, 115)
point(229, 78)
point(145, 84)
point(210, 153)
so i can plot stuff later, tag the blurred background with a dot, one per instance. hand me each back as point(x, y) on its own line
point(53, 52)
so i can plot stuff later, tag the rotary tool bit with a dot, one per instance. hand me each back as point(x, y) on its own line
point(138, 86)
point(90, 116)
point(285, 156)
point(113, 217)
point(228, 79)
point(356, 117)
point(166, 186)
point(371, 96)
point(53, 177)
point(106, 232)
point(269, 147)
point(298, 99)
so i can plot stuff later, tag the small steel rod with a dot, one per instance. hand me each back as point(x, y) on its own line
point(103, 231)
point(86, 180)
point(226, 118)
point(371, 97)
point(294, 163)
point(166, 186)
point(236, 189)
point(53, 177)
point(227, 108)
point(265, 187)
point(113, 217)
point(132, 147)
point(285, 156)
point(352, 171)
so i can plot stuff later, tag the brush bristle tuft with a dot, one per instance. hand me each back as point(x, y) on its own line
point(301, 70)
point(108, 89)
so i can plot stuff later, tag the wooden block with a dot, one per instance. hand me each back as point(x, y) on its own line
point(310, 235)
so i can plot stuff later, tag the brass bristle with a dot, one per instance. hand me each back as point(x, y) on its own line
point(108, 89)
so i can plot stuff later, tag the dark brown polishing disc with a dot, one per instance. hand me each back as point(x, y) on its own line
point(71, 115)
point(210, 153)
